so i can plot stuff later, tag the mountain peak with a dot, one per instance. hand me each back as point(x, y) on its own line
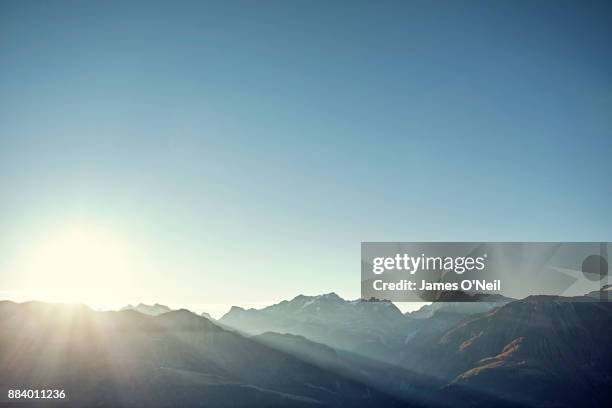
point(151, 310)
point(330, 296)
point(326, 296)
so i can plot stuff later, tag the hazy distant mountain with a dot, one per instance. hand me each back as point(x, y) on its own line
point(541, 351)
point(462, 308)
point(437, 317)
point(175, 359)
point(372, 328)
point(206, 315)
point(151, 310)
point(605, 293)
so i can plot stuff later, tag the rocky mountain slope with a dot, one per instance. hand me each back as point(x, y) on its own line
point(540, 351)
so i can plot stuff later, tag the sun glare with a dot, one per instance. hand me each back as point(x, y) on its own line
point(80, 264)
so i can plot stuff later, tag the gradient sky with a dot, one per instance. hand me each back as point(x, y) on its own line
point(239, 152)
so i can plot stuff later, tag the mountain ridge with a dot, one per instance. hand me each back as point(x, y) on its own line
point(152, 310)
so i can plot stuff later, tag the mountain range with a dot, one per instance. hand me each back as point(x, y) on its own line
point(541, 351)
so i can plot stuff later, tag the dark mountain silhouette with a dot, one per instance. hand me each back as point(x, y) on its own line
point(175, 359)
point(540, 351)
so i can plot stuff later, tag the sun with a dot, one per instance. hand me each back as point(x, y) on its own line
point(80, 263)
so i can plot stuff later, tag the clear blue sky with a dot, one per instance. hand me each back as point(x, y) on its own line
point(245, 149)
